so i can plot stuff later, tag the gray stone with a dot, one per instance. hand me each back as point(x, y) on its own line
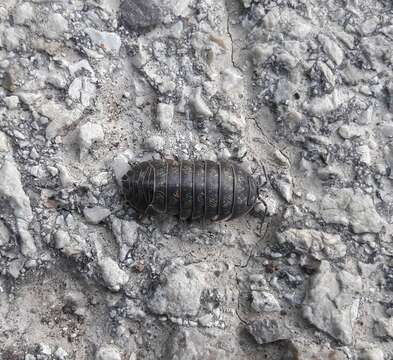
point(318, 244)
point(82, 90)
point(45, 349)
point(23, 14)
point(332, 49)
point(12, 38)
point(120, 166)
point(246, 3)
point(57, 79)
point(327, 74)
point(369, 26)
point(62, 239)
point(373, 353)
point(60, 354)
point(320, 106)
point(346, 207)
point(351, 131)
point(4, 144)
point(180, 294)
point(38, 172)
point(165, 113)
point(266, 331)
point(65, 176)
point(190, 344)
point(69, 246)
point(4, 234)
point(231, 123)
point(330, 172)
point(383, 328)
point(76, 303)
point(232, 82)
point(108, 353)
point(283, 184)
point(155, 143)
point(199, 105)
point(109, 42)
point(261, 53)
point(114, 278)
point(263, 301)
point(206, 320)
point(96, 214)
point(11, 188)
point(11, 102)
point(148, 13)
point(15, 267)
point(56, 27)
point(389, 88)
point(126, 233)
point(110, 6)
point(332, 302)
point(82, 65)
point(88, 134)
point(298, 350)
point(60, 117)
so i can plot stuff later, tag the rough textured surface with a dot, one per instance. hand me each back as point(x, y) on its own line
point(299, 93)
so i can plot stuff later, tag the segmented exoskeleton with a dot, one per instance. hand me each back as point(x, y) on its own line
point(190, 189)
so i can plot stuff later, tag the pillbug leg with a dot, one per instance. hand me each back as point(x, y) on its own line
point(261, 184)
point(263, 219)
point(203, 221)
point(149, 211)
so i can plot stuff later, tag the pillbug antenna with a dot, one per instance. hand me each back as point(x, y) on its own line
point(260, 184)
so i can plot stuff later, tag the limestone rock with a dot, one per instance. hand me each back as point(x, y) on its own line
point(82, 90)
point(96, 214)
point(199, 105)
point(332, 49)
point(263, 301)
point(316, 243)
point(109, 42)
point(189, 344)
point(267, 331)
point(165, 114)
point(107, 353)
point(4, 234)
point(23, 14)
point(89, 133)
point(347, 207)
point(139, 14)
point(11, 188)
point(155, 143)
point(114, 278)
point(55, 27)
point(383, 328)
point(332, 302)
point(372, 353)
point(180, 294)
point(60, 117)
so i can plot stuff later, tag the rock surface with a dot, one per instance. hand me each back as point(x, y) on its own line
point(298, 93)
point(316, 243)
point(332, 302)
point(268, 331)
point(180, 294)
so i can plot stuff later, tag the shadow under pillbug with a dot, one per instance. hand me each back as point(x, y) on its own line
point(192, 190)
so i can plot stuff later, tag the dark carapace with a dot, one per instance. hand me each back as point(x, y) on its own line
point(190, 189)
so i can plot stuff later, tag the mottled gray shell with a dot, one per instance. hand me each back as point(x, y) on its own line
point(190, 189)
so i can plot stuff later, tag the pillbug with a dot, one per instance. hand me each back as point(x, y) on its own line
point(192, 190)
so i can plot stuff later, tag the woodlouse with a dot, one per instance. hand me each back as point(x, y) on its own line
point(190, 189)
